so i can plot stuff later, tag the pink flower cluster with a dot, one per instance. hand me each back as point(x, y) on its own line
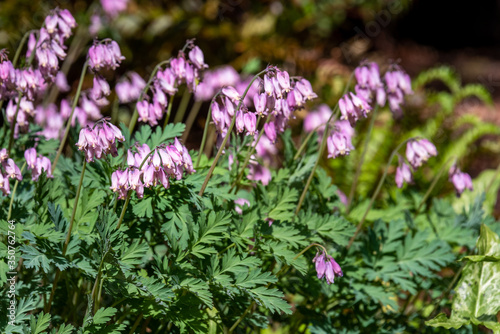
point(353, 107)
point(104, 54)
point(24, 110)
point(99, 139)
point(130, 88)
point(148, 168)
point(37, 164)
point(398, 85)
point(49, 47)
point(369, 84)
point(114, 7)
point(340, 140)
point(51, 119)
point(180, 70)
point(460, 180)
point(8, 170)
point(7, 76)
point(327, 267)
point(276, 94)
point(418, 151)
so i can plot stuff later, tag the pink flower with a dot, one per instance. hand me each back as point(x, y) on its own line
point(259, 173)
point(197, 58)
point(460, 180)
point(11, 170)
point(403, 174)
point(231, 93)
point(319, 261)
point(114, 7)
point(4, 184)
point(98, 140)
point(419, 151)
point(104, 54)
point(337, 144)
point(327, 267)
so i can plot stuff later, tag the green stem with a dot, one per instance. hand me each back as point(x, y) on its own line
point(320, 153)
point(433, 184)
point(20, 48)
point(179, 116)
point(240, 319)
point(13, 124)
point(322, 146)
point(135, 115)
point(229, 130)
point(123, 210)
point(14, 194)
point(52, 291)
point(205, 130)
point(68, 125)
point(94, 288)
point(136, 324)
point(114, 110)
point(361, 160)
point(249, 155)
point(375, 194)
point(68, 236)
point(169, 110)
point(304, 143)
point(193, 113)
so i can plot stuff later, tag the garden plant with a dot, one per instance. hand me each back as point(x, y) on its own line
point(289, 214)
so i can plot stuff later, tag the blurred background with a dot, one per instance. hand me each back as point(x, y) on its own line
point(322, 40)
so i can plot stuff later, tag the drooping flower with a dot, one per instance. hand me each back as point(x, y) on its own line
point(337, 144)
point(460, 180)
point(100, 88)
point(353, 107)
point(327, 267)
point(403, 173)
point(98, 140)
point(37, 164)
point(398, 85)
point(105, 54)
point(419, 151)
point(369, 84)
point(114, 7)
point(8, 170)
point(196, 56)
point(147, 169)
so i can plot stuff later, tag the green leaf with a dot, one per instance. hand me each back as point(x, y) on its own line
point(143, 208)
point(33, 258)
point(66, 329)
point(170, 132)
point(478, 292)
point(441, 320)
point(132, 255)
point(272, 299)
point(103, 315)
point(210, 230)
point(284, 209)
point(41, 324)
